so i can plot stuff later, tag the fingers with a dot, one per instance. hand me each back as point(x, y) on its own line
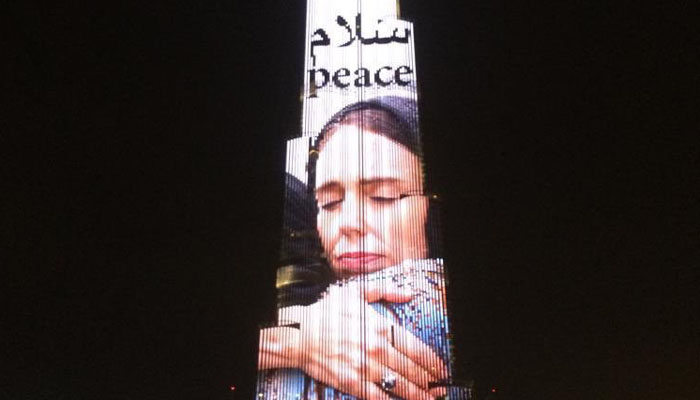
point(378, 355)
point(369, 292)
point(408, 368)
point(343, 319)
point(386, 290)
point(373, 392)
point(403, 352)
point(409, 391)
point(438, 391)
point(350, 382)
point(419, 352)
point(398, 385)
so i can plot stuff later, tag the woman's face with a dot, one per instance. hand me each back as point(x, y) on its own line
point(371, 215)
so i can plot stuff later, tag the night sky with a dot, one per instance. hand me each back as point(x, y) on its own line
point(143, 152)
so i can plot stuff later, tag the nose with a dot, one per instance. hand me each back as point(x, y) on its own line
point(351, 220)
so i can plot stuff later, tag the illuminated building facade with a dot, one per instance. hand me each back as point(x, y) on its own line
point(361, 285)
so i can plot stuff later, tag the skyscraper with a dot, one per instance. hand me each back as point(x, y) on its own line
point(361, 284)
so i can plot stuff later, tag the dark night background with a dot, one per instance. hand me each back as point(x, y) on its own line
point(143, 156)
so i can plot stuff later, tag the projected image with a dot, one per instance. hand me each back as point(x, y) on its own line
point(361, 287)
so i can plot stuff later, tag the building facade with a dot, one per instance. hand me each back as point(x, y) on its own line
point(362, 308)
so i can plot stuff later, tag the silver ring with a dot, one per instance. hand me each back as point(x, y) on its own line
point(388, 381)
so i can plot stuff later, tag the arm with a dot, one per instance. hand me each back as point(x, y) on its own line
point(343, 342)
point(278, 348)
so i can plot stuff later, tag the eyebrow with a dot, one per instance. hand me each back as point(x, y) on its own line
point(364, 182)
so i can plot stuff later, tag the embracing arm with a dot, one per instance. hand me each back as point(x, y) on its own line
point(279, 347)
point(342, 341)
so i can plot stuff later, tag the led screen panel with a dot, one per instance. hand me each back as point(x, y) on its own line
point(361, 284)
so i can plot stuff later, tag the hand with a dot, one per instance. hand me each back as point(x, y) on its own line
point(346, 344)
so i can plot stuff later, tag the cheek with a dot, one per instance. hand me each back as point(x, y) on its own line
point(325, 226)
point(321, 225)
point(387, 221)
point(414, 212)
point(384, 228)
point(413, 219)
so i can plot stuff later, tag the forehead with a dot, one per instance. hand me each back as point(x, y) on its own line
point(352, 154)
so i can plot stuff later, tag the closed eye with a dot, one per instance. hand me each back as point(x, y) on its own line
point(331, 205)
point(383, 199)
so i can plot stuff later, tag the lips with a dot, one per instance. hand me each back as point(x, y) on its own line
point(358, 261)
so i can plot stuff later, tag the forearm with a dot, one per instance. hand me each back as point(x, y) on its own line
point(279, 348)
